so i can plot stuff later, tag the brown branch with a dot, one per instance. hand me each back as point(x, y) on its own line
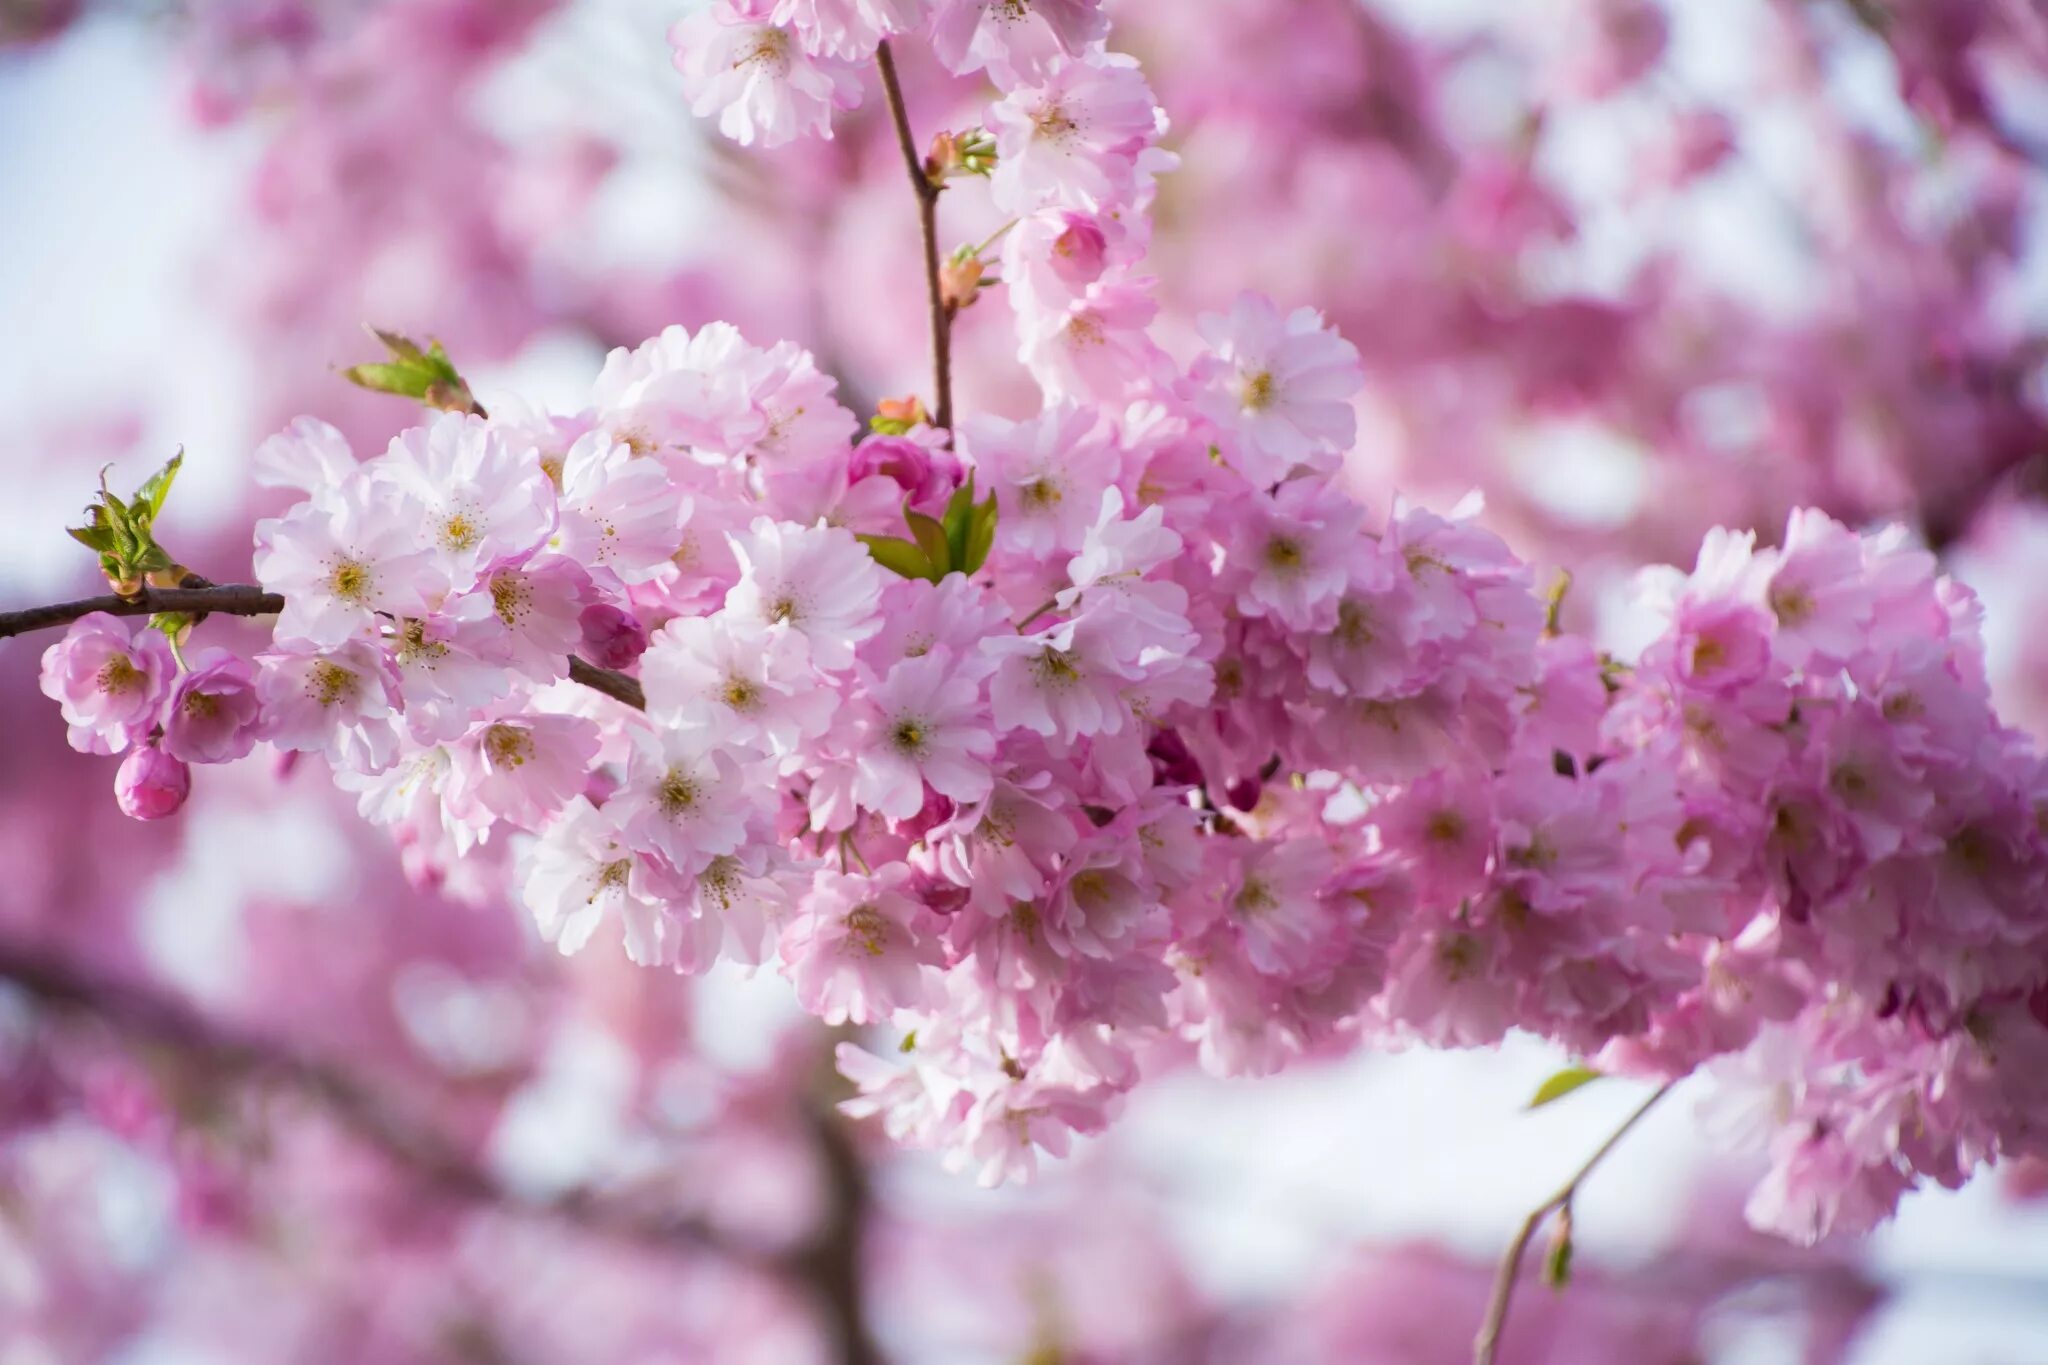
point(1488, 1341)
point(612, 683)
point(143, 1015)
point(243, 599)
point(833, 1263)
point(234, 599)
point(928, 191)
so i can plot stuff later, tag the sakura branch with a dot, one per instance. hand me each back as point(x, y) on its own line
point(1052, 751)
point(1487, 1343)
point(928, 187)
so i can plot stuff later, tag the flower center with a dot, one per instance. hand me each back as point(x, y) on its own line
point(332, 685)
point(866, 928)
point(118, 674)
point(458, 532)
point(350, 581)
point(678, 794)
point(770, 49)
point(1258, 392)
point(201, 705)
point(1790, 603)
point(1040, 494)
point(508, 745)
point(510, 596)
point(612, 877)
point(1054, 669)
point(783, 608)
point(1283, 554)
point(1255, 898)
point(741, 694)
point(908, 738)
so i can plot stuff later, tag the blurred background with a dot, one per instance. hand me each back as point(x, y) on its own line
point(1630, 269)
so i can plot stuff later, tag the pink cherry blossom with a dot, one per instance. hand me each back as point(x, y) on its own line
point(109, 677)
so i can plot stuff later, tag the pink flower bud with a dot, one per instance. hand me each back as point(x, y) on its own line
point(151, 784)
point(1080, 251)
point(926, 471)
point(611, 638)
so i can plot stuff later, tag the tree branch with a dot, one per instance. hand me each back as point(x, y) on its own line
point(1488, 1341)
point(233, 599)
point(928, 225)
point(141, 1014)
point(244, 599)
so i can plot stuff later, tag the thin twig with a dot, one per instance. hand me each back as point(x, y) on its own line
point(1488, 1340)
point(244, 599)
point(928, 226)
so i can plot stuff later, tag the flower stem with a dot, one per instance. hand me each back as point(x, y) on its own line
point(1488, 1341)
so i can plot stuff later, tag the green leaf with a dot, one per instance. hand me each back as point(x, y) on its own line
point(92, 537)
point(405, 381)
point(899, 557)
point(959, 508)
point(428, 376)
point(981, 537)
point(158, 487)
point(1562, 1084)
point(932, 539)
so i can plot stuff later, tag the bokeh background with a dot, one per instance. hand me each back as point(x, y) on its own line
point(1632, 270)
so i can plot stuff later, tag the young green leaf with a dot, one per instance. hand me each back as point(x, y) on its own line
point(931, 538)
point(899, 557)
point(959, 508)
point(1562, 1084)
point(981, 536)
point(156, 488)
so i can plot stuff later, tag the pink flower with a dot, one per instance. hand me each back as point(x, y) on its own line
point(344, 558)
point(688, 798)
point(1293, 553)
point(1014, 39)
point(340, 702)
point(618, 511)
point(109, 678)
point(858, 950)
point(528, 616)
point(1066, 680)
point(1097, 350)
point(1047, 473)
point(756, 76)
point(745, 682)
point(1072, 138)
point(520, 768)
point(308, 455)
point(582, 870)
point(918, 463)
point(816, 582)
point(844, 28)
point(1278, 388)
point(485, 501)
point(213, 712)
point(925, 724)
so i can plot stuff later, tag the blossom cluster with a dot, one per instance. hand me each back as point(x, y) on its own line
point(1208, 754)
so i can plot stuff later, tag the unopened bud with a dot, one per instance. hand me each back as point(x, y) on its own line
point(611, 638)
point(895, 416)
point(960, 281)
point(150, 784)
